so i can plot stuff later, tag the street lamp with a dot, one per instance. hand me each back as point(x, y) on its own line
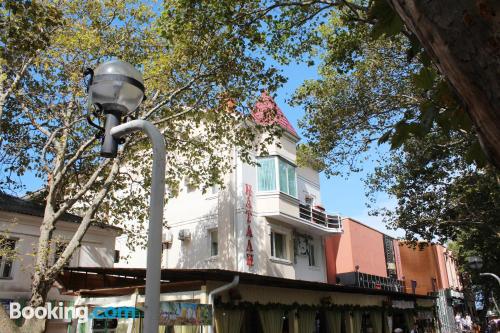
point(476, 263)
point(116, 89)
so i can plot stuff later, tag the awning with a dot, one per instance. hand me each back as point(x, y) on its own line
point(123, 281)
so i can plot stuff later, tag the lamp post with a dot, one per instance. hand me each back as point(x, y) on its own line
point(116, 88)
point(476, 263)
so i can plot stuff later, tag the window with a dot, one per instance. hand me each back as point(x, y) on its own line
point(434, 284)
point(117, 256)
point(413, 286)
point(7, 247)
point(214, 242)
point(288, 182)
point(311, 255)
point(189, 184)
point(266, 174)
point(275, 173)
point(278, 245)
point(214, 189)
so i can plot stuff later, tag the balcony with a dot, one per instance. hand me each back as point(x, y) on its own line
point(363, 280)
point(318, 216)
point(289, 210)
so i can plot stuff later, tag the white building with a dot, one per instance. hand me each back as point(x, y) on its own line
point(266, 220)
point(20, 228)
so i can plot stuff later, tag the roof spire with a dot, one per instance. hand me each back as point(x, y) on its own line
point(261, 116)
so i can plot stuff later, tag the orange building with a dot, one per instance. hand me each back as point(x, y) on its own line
point(366, 257)
point(428, 269)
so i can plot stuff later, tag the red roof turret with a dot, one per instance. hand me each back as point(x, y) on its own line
point(263, 105)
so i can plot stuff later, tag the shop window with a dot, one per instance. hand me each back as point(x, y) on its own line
point(278, 245)
point(7, 248)
point(214, 242)
point(366, 325)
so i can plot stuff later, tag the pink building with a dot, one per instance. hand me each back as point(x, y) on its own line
point(362, 256)
point(366, 257)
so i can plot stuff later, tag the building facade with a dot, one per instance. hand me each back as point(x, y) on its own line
point(429, 268)
point(256, 252)
point(364, 257)
point(367, 258)
point(267, 219)
point(19, 231)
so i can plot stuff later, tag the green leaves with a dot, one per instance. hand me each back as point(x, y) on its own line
point(424, 79)
point(387, 22)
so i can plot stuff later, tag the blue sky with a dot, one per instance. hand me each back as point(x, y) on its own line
point(345, 195)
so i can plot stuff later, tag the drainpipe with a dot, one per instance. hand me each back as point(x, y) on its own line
point(217, 291)
point(235, 210)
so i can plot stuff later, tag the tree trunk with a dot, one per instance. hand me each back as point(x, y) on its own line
point(463, 39)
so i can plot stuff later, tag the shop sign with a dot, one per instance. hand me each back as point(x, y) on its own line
point(399, 304)
point(180, 313)
point(456, 294)
point(249, 218)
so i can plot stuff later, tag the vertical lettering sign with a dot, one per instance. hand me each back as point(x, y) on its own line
point(249, 217)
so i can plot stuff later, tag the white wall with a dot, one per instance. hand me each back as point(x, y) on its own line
point(97, 250)
point(199, 213)
point(308, 184)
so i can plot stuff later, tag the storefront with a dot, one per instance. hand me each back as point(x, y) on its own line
point(257, 304)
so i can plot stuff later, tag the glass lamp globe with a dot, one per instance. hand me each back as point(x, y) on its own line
point(117, 87)
point(475, 262)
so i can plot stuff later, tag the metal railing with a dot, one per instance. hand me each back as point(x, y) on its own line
point(306, 212)
point(364, 280)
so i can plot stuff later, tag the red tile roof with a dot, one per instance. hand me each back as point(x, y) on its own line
point(261, 116)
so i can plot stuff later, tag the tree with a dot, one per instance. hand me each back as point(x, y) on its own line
point(374, 90)
point(25, 31)
point(382, 91)
point(434, 32)
point(440, 196)
point(461, 37)
point(194, 66)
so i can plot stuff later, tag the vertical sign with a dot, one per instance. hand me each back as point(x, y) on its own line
point(390, 259)
point(249, 217)
point(397, 255)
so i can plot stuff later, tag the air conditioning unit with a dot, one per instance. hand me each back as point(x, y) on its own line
point(167, 237)
point(185, 234)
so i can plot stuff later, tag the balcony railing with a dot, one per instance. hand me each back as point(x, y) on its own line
point(306, 212)
point(364, 280)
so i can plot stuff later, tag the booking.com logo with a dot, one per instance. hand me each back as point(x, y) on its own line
point(81, 313)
